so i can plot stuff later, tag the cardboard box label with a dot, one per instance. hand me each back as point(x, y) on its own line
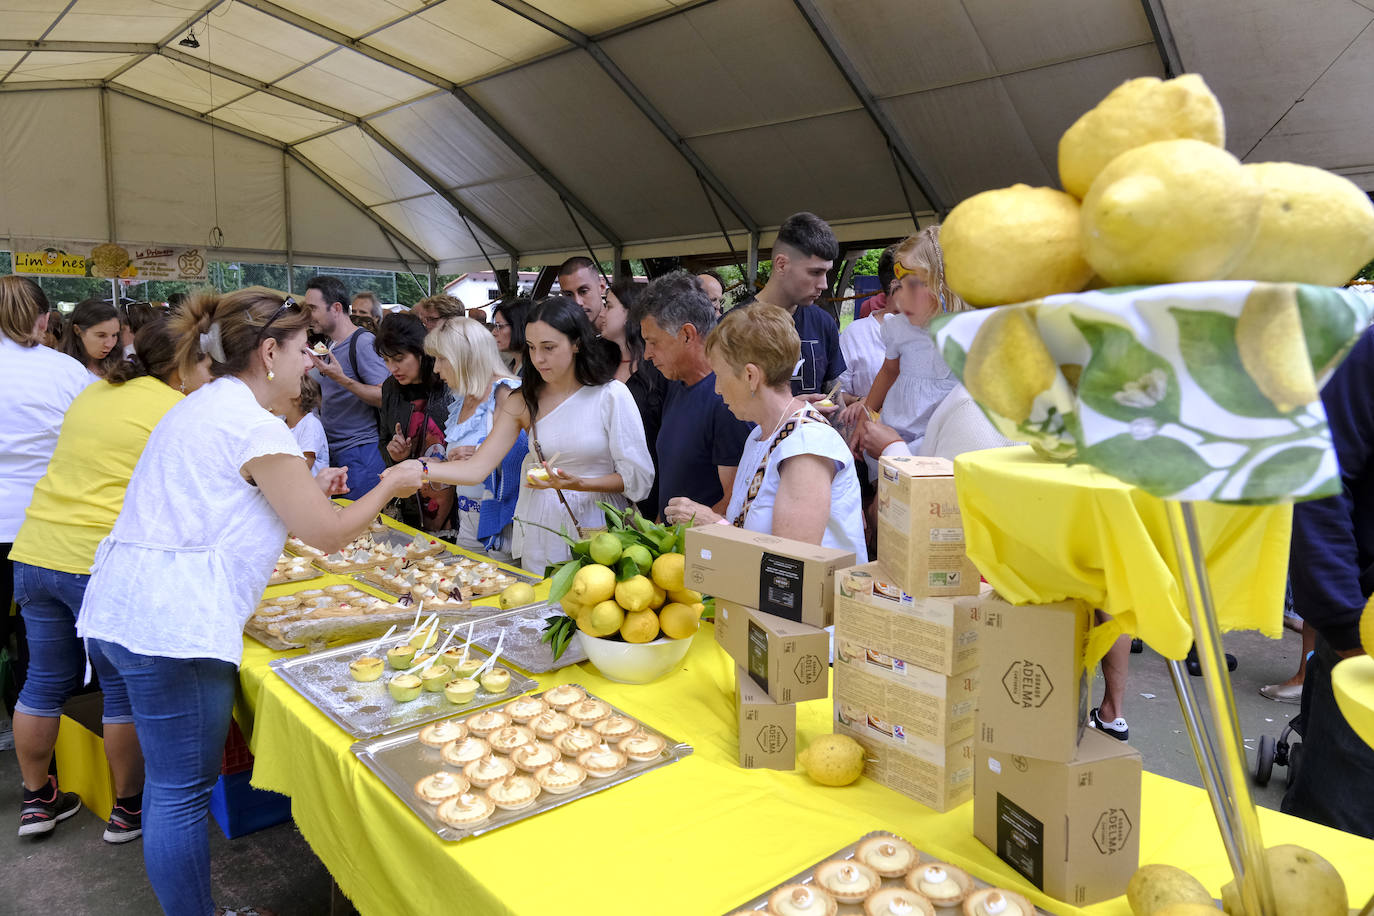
point(937, 777)
point(1021, 840)
point(920, 529)
point(767, 729)
point(1027, 683)
point(1112, 832)
point(758, 655)
point(789, 660)
point(782, 577)
point(873, 614)
point(780, 585)
point(923, 703)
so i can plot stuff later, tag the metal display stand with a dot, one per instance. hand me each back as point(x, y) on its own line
point(1216, 737)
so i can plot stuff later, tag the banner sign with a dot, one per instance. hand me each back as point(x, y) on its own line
point(111, 261)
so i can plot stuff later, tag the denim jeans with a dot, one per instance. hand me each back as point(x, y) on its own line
point(365, 465)
point(1336, 769)
point(182, 708)
point(49, 601)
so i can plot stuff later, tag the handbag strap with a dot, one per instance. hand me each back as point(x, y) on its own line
point(539, 453)
point(808, 414)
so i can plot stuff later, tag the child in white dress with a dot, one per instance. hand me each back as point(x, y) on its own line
point(914, 378)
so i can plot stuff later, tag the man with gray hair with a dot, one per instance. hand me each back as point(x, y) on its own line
point(700, 440)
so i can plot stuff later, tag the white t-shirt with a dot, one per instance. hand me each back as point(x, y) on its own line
point(310, 437)
point(845, 528)
point(39, 385)
point(958, 425)
point(864, 351)
point(194, 545)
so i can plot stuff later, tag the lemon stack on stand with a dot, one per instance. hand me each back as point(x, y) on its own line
point(625, 583)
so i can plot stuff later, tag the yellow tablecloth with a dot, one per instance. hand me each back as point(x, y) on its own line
point(700, 836)
point(1041, 531)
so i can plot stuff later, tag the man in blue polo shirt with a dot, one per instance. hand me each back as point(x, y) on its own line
point(351, 386)
point(803, 254)
point(700, 440)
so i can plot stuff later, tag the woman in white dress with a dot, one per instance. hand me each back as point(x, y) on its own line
point(207, 509)
point(796, 477)
point(586, 436)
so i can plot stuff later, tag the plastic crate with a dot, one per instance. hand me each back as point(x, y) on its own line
point(237, 757)
point(240, 809)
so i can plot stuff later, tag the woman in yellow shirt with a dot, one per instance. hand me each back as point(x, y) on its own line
point(74, 506)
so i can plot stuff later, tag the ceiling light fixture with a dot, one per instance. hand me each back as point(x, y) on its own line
point(189, 41)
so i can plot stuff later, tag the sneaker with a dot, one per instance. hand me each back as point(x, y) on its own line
point(124, 825)
point(1117, 728)
point(38, 816)
point(244, 911)
point(1283, 693)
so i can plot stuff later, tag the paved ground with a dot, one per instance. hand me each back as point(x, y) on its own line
point(72, 871)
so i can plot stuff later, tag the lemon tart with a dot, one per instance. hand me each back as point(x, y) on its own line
point(464, 751)
point(504, 740)
point(898, 901)
point(488, 771)
point(440, 733)
point(642, 746)
point(801, 900)
point(615, 727)
point(467, 810)
point(576, 740)
point(560, 777)
point(564, 695)
point(487, 721)
point(846, 880)
point(889, 856)
point(588, 711)
point(523, 710)
point(514, 793)
point(551, 724)
point(941, 884)
point(994, 901)
point(530, 757)
point(601, 761)
point(439, 787)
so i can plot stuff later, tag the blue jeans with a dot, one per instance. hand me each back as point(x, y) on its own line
point(365, 465)
point(49, 601)
point(182, 708)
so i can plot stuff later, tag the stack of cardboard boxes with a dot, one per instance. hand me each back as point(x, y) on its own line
point(773, 596)
point(906, 640)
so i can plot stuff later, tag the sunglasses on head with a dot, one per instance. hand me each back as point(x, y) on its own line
point(287, 304)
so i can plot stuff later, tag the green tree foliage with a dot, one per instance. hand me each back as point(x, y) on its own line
point(867, 266)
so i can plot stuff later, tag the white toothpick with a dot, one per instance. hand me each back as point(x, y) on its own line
point(414, 626)
point(433, 658)
point(500, 641)
point(378, 644)
point(467, 643)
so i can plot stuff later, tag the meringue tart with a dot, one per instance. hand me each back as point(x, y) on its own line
point(438, 734)
point(551, 724)
point(563, 696)
point(488, 771)
point(601, 761)
point(801, 900)
point(504, 740)
point(514, 793)
point(889, 856)
point(487, 721)
point(466, 810)
point(994, 901)
point(464, 751)
point(941, 884)
point(898, 901)
point(530, 757)
point(846, 880)
point(576, 740)
point(560, 777)
point(642, 746)
point(588, 711)
point(440, 786)
point(615, 726)
point(523, 710)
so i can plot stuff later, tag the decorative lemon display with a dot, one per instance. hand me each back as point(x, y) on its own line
point(1304, 884)
point(1154, 888)
point(624, 584)
point(1014, 244)
point(1269, 340)
point(517, 595)
point(833, 760)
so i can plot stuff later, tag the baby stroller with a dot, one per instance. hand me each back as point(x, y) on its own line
point(1280, 752)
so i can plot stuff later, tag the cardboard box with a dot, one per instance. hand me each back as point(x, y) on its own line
point(767, 728)
point(1072, 829)
point(789, 579)
point(911, 700)
point(936, 775)
point(789, 660)
point(872, 611)
point(1035, 695)
point(920, 530)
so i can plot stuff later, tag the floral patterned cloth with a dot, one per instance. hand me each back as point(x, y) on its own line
point(1190, 391)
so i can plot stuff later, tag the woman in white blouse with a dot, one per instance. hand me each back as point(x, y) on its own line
point(207, 510)
point(584, 429)
point(796, 476)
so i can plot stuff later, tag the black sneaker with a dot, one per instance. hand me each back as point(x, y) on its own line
point(124, 825)
point(39, 816)
point(1117, 728)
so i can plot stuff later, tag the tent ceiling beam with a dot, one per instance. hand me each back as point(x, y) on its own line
point(850, 73)
point(79, 47)
point(320, 30)
point(174, 108)
point(169, 37)
point(641, 101)
point(50, 85)
point(234, 76)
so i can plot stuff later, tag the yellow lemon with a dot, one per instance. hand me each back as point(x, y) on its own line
point(592, 584)
point(521, 593)
point(1008, 366)
point(1014, 244)
point(680, 620)
point(660, 595)
point(1137, 112)
point(605, 548)
point(1154, 887)
point(640, 626)
point(635, 593)
point(1304, 884)
point(684, 596)
point(1314, 227)
point(1367, 628)
point(1272, 349)
point(604, 619)
point(668, 570)
point(1170, 212)
point(833, 760)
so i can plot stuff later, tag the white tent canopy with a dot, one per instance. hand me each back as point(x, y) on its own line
point(433, 135)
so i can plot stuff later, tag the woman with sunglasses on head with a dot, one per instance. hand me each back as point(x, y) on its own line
point(415, 407)
point(508, 327)
point(914, 378)
point(212, 497)
point(75, 505)
point(586, 438)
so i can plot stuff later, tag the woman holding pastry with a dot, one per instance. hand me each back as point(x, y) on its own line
point(586, 437)
point(208, 506)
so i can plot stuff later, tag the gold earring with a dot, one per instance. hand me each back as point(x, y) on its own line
point(271, 375)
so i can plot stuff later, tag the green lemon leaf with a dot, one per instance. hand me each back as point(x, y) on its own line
point(563, 578)
point(1207, 341)
point(1328, 326)
point(1123, 379)
point(1157, 465)
point(1281, 474)
point(954, 356)
point(625, 569)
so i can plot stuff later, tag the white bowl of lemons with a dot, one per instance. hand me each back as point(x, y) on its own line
point(634, 663)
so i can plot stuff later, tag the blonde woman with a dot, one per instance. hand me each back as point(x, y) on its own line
point(796, 476)
point(467, 359)
point(914, 378)
point(209, 504)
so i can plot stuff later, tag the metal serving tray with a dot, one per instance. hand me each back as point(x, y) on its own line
point(524, 647)
point(808, 875)
point(366, 710)
point(401, 760)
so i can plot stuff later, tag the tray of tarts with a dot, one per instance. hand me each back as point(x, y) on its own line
point(384, 686)
point(885, 875)
point(466, 776)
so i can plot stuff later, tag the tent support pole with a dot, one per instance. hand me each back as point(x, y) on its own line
point(109, 167)
point(286, 207)
point(617, 264)
point(752, 277)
